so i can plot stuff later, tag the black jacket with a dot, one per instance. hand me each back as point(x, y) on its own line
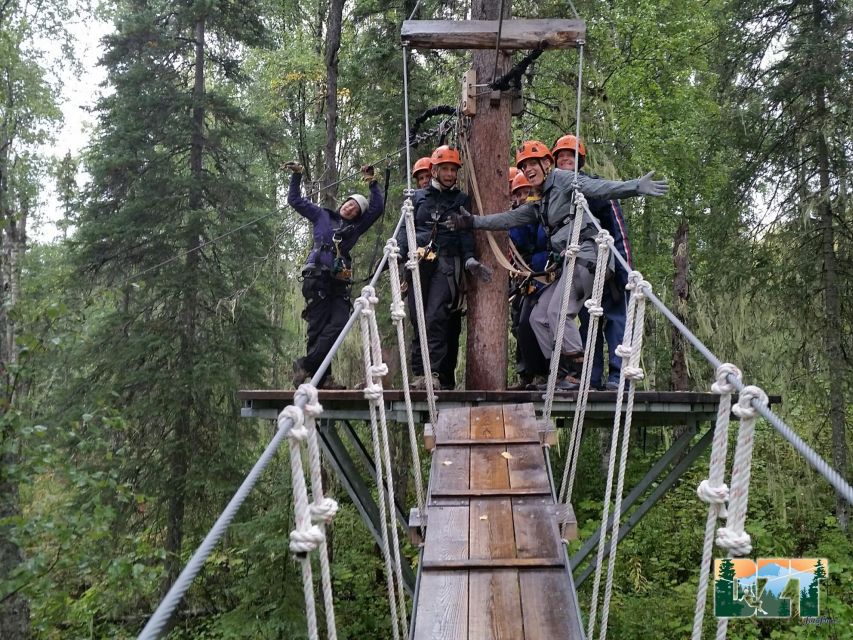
point(432, 207)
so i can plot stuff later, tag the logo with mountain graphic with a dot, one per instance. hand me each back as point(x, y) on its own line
point(768, 587)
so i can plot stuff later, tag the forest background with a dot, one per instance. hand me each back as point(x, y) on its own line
point(122, 343)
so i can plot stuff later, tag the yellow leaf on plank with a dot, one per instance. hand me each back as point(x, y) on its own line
point(507, 455)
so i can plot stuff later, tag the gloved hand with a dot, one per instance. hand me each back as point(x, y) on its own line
point(367, 174)
point(648, 187)
point(473, 267)
point(460, 221)
point(294, 166)
point(404, 285)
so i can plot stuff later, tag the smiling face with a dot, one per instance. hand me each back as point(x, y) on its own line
point(519, 196)
point(534, 170)
point(445, 173)
point(350, 210)
point(566, 159)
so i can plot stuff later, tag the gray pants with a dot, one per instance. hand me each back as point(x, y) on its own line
point(545, 315)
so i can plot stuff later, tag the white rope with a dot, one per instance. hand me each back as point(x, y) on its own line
point(322, 509)
point(732, 537)
point(306, 536)
point(634, 373)
point(634, 278)
point(570, 257)
point(595, 309)
point(373, 392)
point(420, 322)
point(379, 370)
point(398, 314)
point(713, 490)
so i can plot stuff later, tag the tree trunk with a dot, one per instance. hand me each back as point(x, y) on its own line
point(181, 441)
point(333, 45)
point(679, 376)
point(832, 308)
point(486, 366)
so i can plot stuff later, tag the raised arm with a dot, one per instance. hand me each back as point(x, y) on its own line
point(303, 206)
point(614, 189)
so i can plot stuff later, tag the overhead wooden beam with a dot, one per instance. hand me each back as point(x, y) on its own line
point(483, 34)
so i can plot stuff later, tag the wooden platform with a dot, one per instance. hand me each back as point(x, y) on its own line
point(493, 562)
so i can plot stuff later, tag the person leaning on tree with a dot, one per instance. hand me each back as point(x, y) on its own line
point(555, 213)
point(613, 302)
point(443, 255)
point(327, 274)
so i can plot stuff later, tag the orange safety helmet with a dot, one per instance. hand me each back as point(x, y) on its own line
point(445, 154)
point(532, 149)
point(512, 173)
point(570, 143)
point(519, 182)
point(423, 164)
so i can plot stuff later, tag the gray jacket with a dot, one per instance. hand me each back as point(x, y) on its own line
point(555, 206)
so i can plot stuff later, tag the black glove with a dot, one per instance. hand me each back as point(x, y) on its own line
point(460, 221)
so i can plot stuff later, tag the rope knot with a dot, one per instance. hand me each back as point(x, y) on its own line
point(634, 280)
point(373, 391)
point(298, 431)
point(594, 309)
point(721, 384)
point(737, 543)
point(308, 392)
point(323, 511)
point(398, 311)
point(633, 373)
point(603, 239)
point(718, 495)
point(392, 248)
point(412, 262)
point(306, 540)
point(624, 351)
point(744, 408)
point(572, 250)
point(379, 370)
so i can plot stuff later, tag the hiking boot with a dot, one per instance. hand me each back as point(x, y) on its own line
point(330, 384)
point(522, 384)
point(612, 383)
point(419, 383)
point(538, 382)
point(300, 375)
point(568, 383)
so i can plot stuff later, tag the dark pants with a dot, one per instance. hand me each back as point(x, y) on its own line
point(532, 361)
point(611, 328)
point(447, 374)
point(437, 278)
point(327, 309)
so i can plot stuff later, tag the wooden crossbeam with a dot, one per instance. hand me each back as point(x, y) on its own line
point(483, 34)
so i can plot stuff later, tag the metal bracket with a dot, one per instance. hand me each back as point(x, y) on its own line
point(469, 93)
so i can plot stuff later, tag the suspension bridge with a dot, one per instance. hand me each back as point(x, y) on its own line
point(491, 521)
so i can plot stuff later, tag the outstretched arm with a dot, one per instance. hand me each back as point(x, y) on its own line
point(615, 189)
point(303, 206)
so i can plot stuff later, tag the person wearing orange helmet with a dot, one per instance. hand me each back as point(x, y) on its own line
point(443, 254)
point(569, 151)
point(519, 190)
point(327, 274)
point(555, 212)
point(421, 172)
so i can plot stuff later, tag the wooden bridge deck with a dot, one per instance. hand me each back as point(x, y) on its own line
point(493, 562)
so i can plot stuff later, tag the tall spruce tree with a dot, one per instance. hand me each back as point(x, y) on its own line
point(174, 165)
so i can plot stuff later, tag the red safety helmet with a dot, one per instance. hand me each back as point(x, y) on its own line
point(519, 182)
point(570, 143)
point(512, 173)
point(423, 164)
point(532, 149)
point(445, 154)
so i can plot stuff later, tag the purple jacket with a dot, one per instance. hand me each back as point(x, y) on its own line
point(327, 222)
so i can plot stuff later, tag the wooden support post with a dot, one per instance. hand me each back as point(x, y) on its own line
point(489, 147)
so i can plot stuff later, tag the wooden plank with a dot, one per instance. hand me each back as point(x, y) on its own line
point(504, 441)
point(429, 437)
point(452, 424)
point(527, 467)
point(487, 422)
point(495, 605)
point(488, 493)
point(491, 531)
point(566, 521)
point(482, 34)
point(520, 421)
point(489, 469)
point(547, 605)
point(447, 535)
point(449, 470)
point(535, 526)
point(442, 606)
point(493, 563)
